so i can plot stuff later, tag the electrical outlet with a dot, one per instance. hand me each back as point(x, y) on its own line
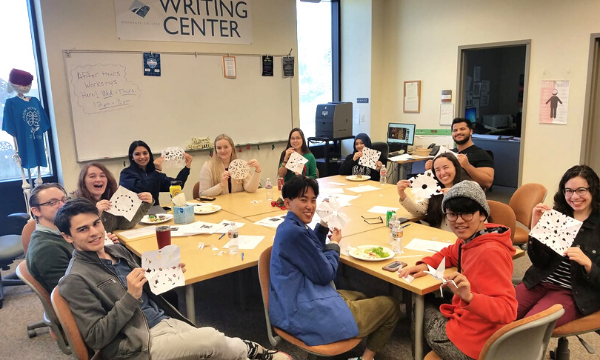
point(362, 100)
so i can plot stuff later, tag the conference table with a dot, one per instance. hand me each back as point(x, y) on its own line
point(206, 263)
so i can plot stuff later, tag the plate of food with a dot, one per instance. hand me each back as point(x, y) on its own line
point(156, 219)
point(203, 209)
point(371, 253)
point(358, 177)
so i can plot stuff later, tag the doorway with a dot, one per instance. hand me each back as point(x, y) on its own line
point(590, 144)
point(491, 92)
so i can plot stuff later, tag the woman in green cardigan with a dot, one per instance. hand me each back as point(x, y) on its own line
point(297, 143)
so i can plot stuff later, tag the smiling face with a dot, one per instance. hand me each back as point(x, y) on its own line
point(461, 133)
point(87, 232)
point(465, 229)
point(224, 150)
point(141, 156)
point(95, 182)
point(444, 171)
point(359, 145)
point(579, 203)
point(49, 201)
point(296, 141)
point(303, 206)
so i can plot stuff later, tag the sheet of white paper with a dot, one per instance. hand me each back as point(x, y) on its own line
point(139, 232)
point(222, 226)
point(201, 227)
point(556, 230)
point(296, 163)
point(247, 242)
point(446, 113)
point(335, 183)
point(381, 209)
point(403, 157)
point(124, 203)
point(329, 191)
point(365, 188)
point(408, 278)
point(162, 270)
point(426, 245)
point(272, 221)
point(369, 158)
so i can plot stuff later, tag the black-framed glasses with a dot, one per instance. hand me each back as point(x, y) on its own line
point(465, 216)
point(54, 202)
point(372, 220)
point(579, 191)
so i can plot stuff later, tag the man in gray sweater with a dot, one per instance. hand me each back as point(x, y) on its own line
point(116, 312)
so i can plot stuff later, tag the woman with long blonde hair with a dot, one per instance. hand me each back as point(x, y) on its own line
point(215, 178)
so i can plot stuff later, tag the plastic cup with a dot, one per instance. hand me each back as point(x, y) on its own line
point(163, 236)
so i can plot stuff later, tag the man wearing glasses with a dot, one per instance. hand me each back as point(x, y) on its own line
point(484, 296)
point(48, 254)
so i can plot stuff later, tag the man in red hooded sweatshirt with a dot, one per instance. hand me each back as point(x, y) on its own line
point(484, 296)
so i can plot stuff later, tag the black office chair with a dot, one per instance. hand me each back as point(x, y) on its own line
point(492, 155)
point(384, 148)
point(11, 248)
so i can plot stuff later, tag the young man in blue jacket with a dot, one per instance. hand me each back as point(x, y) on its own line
point(302, 298)
point(115, 311)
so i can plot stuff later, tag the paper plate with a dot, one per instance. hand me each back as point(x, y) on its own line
point(355, 178)
point(358, 253)
point(204, 209)
point(159, 218)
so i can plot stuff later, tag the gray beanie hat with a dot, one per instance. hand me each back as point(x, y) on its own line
point(470, 190)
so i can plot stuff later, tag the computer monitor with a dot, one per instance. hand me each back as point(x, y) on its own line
point(399, 136)
point(471, 114)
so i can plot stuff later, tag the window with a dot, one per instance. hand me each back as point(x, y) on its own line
point(318, 55)
point(18, 50)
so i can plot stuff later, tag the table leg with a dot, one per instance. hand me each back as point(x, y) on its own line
point(419, 314)
point(189, 303)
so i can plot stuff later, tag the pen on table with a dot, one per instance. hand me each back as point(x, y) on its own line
point(403, 226)
point(242, 256)
point(220, 237)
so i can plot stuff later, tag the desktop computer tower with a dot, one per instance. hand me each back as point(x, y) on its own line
point(333, 120)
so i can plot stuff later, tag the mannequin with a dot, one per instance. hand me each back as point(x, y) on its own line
point(26, 121)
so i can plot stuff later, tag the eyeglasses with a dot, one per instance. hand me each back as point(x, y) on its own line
point(579, 191)
point(372, 220)
point(466, 216)
point(54, 202)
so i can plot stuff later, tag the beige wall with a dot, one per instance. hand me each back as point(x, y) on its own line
point(421, 40)
point(76, 24)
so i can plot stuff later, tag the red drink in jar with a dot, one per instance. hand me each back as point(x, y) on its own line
point(163, 236)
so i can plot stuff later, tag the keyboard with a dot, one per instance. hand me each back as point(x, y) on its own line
point(396, 153)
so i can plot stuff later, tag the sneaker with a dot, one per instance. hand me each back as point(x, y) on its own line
point(275, 355)
point(257, 352)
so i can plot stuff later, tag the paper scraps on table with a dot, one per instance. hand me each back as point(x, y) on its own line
point(329, 211)
point(124, 203)
point(365, 188)
point(408, 278)
point(369, 158)
point(246, 242)
point(238, 169)
point(272, 221)
point(296, 163)
point(221, 227)
point(162, 269)
point(556, 230)
point(173, 157)
point(381, 210)
point(439, 274)
point(424, 186)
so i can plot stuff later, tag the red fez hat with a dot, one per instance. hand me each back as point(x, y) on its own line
point(20, 77)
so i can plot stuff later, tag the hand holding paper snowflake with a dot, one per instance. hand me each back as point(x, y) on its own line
point(173, 157)
point(369, 158)
point(239, 169)
point(329, 211)
point(424, 186)
point(162, 269)
point(296, 163)
point(556, 230)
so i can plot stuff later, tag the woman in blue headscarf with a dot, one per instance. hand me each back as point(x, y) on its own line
point(350, 166)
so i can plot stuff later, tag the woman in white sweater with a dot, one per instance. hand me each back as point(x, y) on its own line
point(448, 172)
point(214, 175)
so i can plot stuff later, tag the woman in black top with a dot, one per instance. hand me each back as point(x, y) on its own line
point(350, 165)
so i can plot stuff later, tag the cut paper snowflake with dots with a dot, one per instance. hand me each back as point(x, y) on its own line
point(239, 169)
point(173, 157)
point(124, 203)
point(329, 211)
point(369, 158)
point(162, 269)
point(424, 186)
point(296, 163)
point(556, 230)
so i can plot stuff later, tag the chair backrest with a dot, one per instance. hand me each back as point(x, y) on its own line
point(525, 199)
point(523, 339)
point(264, 276)
point(26, 237)
point(502, 214)
point(384, 148)
point(50, 317)
point(196, 191)
point(67, 321)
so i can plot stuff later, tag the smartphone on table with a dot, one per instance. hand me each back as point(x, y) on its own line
point(393, 266)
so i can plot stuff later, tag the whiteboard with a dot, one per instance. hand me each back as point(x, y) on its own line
point(113, 103)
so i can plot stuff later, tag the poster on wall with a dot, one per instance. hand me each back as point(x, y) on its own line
point(228, 22)
point(554, 101)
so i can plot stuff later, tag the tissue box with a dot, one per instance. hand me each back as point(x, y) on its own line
point(183, 214)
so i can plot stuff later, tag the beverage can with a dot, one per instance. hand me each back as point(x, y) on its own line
point(279, 183)
point(388, 216)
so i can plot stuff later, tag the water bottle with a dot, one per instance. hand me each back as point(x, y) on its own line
point(396, 237)
point(383, 175)
point(232, 234)
point(269, 188)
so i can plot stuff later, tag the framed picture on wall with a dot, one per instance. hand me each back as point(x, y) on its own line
point(412, 96)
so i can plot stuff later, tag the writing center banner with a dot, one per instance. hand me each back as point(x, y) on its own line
point(206, 21)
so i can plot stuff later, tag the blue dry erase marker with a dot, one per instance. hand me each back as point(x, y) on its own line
point(220, 237)
point(405, 225)
point(242, 256)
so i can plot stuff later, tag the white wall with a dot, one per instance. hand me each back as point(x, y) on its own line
point(421, 40)
point(76, 24)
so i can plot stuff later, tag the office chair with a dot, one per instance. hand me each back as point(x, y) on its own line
point(522, 202)
point(586, 324)
point(384, 148)
point(502, 214)
point(11, 249)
